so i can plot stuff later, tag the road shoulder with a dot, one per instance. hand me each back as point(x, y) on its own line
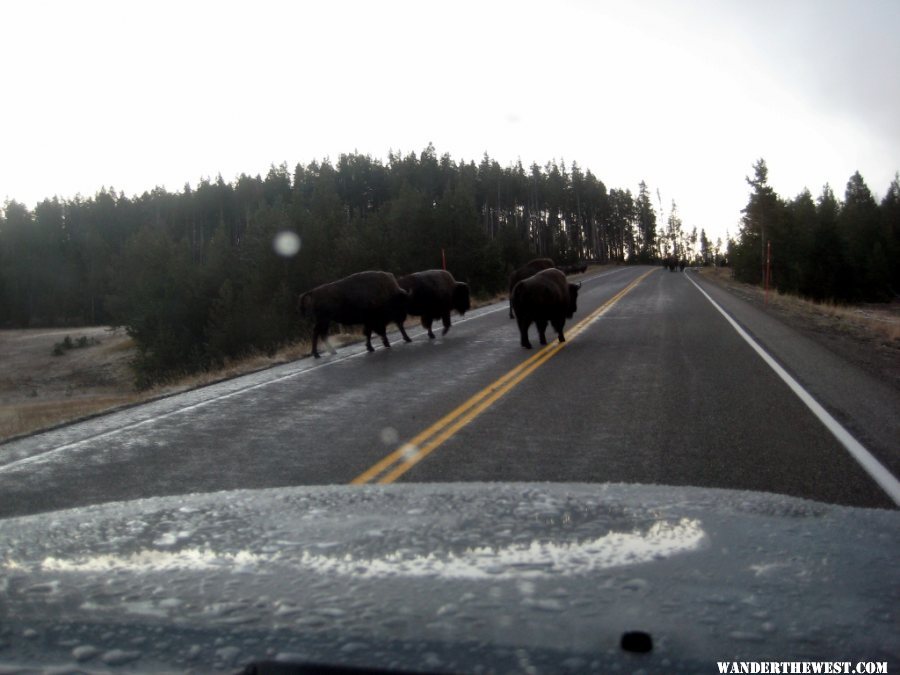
point(867, 406)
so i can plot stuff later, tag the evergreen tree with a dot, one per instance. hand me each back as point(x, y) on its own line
point(761, 215)
point(706, 253)
point(890, 225)
point(18, 264)
point(646, 225)
point(194, 278)
point(826, 273)
point(793, 239)
point(867, 247)
point(675, 235)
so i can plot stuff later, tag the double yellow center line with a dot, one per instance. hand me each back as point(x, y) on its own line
point(418, 448)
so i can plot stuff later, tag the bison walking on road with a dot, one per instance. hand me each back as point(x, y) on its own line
point(527, 270)
point(432, 295)
point(578, 268)
point(542, 298)
point(373, 299)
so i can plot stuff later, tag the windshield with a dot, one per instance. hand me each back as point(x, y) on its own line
point(378, 345)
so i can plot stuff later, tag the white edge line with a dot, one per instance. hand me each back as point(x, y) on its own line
point(134, 425)
point(878, 472)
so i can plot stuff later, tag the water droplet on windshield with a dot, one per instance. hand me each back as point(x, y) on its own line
point(389, 436)
point(286, 243)
point(525, 587)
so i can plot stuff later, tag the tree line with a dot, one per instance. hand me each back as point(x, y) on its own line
point(823, 248)
point(195, 279)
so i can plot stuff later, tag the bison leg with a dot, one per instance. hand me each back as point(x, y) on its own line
point(406, 337)
point(382, 331)
point(511, 315)
point(315, 344)
point(558, 327)
point(321, 330)
point(367, 331)
point(426, 324)
point(523, 332)
point(446, 321)
point(542, 330)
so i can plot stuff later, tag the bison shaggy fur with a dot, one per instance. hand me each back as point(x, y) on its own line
point(434, 294)
point(525, 271)
point(545, 297)
point(373, 299)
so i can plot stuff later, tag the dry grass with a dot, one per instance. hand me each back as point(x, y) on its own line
point(253, 363)
point(883, 323)
point(45, 390)
point(880, 322)
point(481, 301)
point(23, 418)
point(39, 389)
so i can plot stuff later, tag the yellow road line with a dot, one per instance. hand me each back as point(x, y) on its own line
point(417, 448)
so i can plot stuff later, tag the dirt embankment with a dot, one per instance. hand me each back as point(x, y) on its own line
point(47, 379)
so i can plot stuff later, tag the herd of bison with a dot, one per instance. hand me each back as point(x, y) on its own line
point(538, 293)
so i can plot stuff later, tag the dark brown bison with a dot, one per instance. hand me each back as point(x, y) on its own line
point(544, 297)
point(578, 268)
point(433, 294)
point(373, 299)
point(524, 272)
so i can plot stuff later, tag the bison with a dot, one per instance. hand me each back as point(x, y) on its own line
point(578, 268)
point(433, 294)
point(544, 297)
point(373, 299)
point(524, 272)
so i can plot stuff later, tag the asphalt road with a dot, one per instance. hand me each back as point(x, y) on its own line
point(656, 388)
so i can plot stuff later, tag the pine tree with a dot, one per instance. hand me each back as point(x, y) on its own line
point(761, 215)
point(646, 225)
point(826, 273)
point(867, 248)
point(890, 225)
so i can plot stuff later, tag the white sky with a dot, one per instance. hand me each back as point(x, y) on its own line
point(684, 95)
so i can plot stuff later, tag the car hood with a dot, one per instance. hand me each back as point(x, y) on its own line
point(450, 578)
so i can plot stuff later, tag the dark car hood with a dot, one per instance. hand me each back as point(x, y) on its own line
point(450, 578)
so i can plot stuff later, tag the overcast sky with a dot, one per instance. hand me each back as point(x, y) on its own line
point(683, 95)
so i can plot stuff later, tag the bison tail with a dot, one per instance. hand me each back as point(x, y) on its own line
point(398, 305)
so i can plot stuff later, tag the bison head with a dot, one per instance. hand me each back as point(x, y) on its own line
point(573, 299)
point(461, 301)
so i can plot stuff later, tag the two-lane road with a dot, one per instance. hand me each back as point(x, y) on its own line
point(653, 386)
